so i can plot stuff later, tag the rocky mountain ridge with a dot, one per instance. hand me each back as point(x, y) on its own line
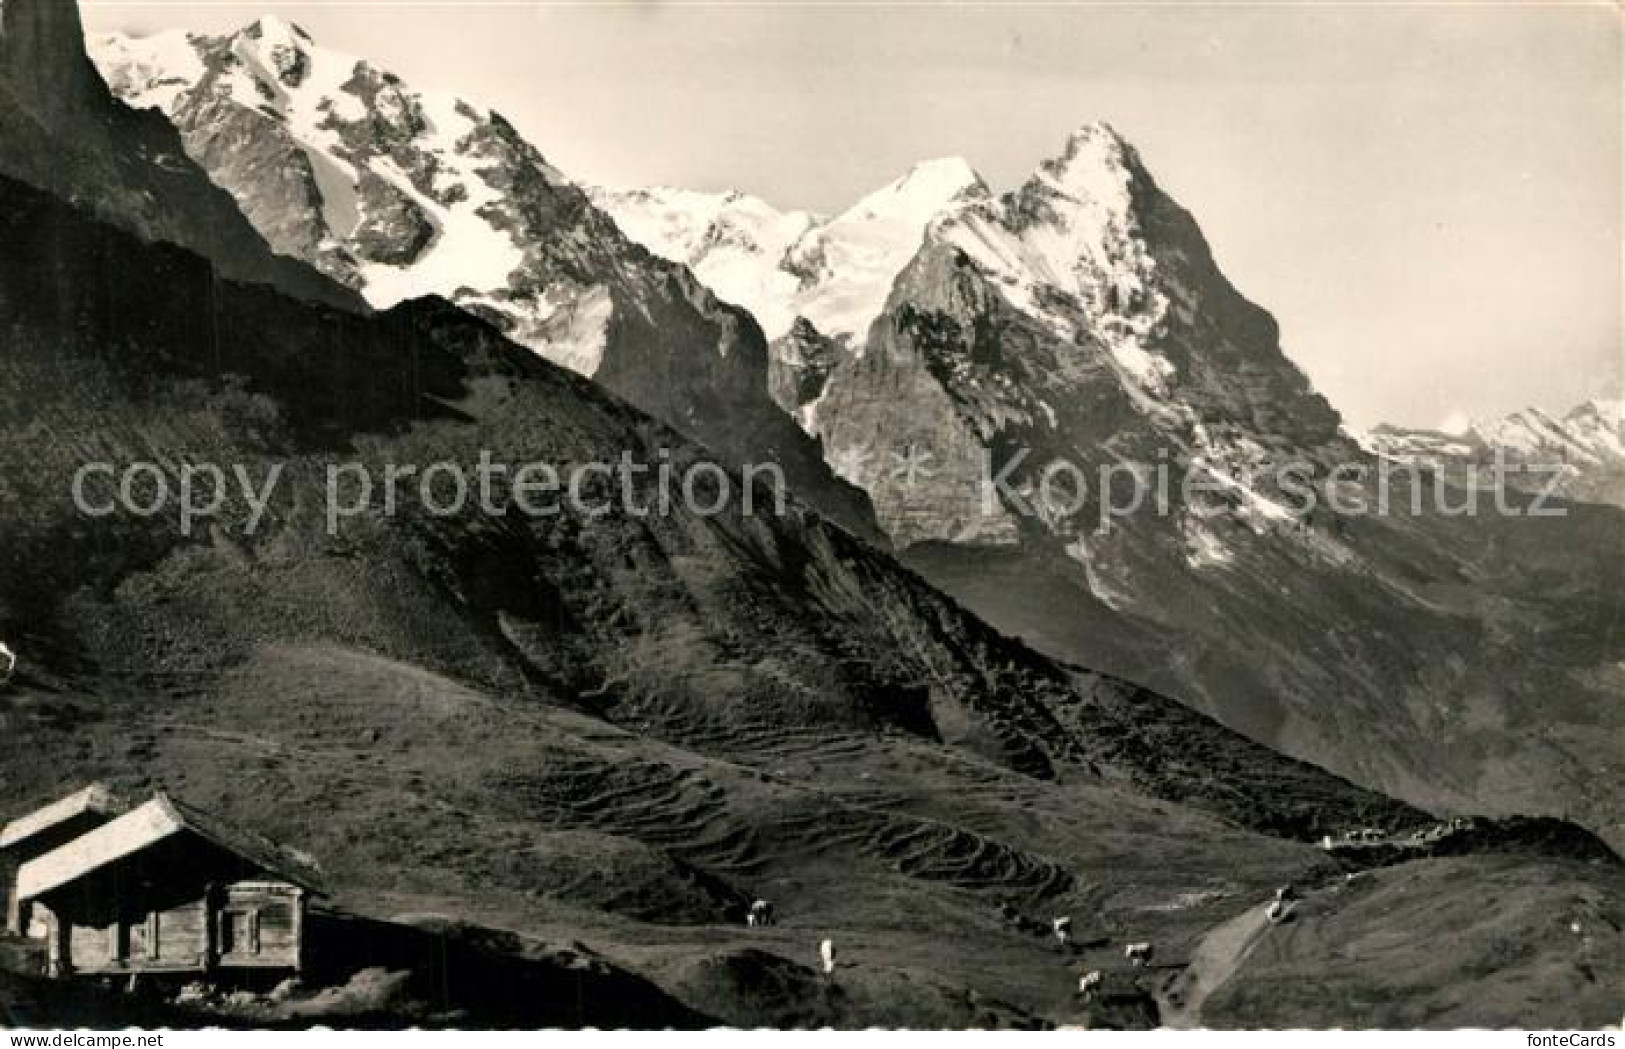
point(399, 194)
point(1579, 455)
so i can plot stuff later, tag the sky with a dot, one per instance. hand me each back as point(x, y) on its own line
point(1427, 196)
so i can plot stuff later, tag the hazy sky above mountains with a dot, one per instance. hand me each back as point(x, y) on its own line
point(1428, 198)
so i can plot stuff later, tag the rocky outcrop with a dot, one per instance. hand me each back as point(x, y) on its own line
point(799, 364)
point(42, 57)
point(249, 147)
point(392, 229)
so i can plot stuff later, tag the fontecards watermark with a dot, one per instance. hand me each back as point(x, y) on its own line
point(1016, 482)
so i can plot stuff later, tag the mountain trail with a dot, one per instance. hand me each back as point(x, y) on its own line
point(1214, 960)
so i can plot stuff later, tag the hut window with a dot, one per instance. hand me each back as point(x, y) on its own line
point(240, 932)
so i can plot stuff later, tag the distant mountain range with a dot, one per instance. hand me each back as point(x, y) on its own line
point(938, 333)
point(1580, 455)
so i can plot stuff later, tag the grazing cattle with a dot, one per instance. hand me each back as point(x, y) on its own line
point(8, 662)
point(760, 914)
point(1278, 912)
point(1089, 984)
point(826, 951)
point(1062, 928)
point(1138, 954)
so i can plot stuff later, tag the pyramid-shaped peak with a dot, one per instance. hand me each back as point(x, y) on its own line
point(273, 30)
point(1607, 409)
point(1097, 163)
point(1097, 132)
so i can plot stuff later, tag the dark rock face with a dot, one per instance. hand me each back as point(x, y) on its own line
point(252, 147)
point(799, 364)
point(42, 56)
point(60, 129)
point(393, 230)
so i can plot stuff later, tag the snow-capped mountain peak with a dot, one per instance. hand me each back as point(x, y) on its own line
point(388, 190)
point(733, 242)
point(1584, 449)
point(148, 72)
point(689, 226)
point(1070, 226)
point(394, 192)
point(1066, 248)
point(835, 273)
point(1081, 312)
point(846, 266)
point(1095, 166)
point(1599, 424)
point(1589, 434)
point(920, 195)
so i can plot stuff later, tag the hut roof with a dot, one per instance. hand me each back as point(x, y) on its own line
point(145, 826)
point(94, 799)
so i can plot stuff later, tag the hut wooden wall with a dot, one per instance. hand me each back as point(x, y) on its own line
point(269, 917)
point(254, 924)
